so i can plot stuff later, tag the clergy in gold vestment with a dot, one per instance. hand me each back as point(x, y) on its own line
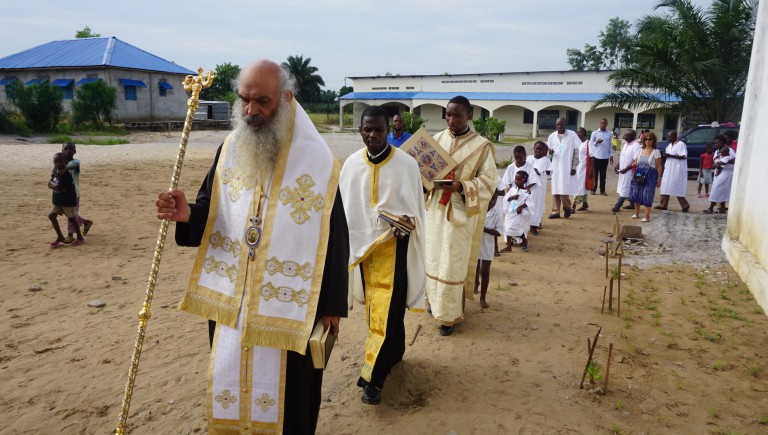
point(456, 215)
point(271, 262)
point(381, 178)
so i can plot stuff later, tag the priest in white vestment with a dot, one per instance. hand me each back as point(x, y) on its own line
point(630, 149)
point(564, 148)
point(272, 259)
point(675, 178)
point(381, 178)
point(456, 217)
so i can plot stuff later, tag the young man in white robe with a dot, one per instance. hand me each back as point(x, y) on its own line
point(456, 215)
point(379, 178)
point(272, 259)
point(630, 149)
point(541, 167)
point(675, 179)
point(564, 148)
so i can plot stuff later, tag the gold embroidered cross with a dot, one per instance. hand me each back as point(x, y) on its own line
point(471, 194)
point(237, 181)
point(226, 399)
point(264, 402)
point(303, 199)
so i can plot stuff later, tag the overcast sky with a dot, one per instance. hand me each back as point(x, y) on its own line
point(344, 38)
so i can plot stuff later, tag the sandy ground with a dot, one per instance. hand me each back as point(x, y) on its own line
point(689, 349)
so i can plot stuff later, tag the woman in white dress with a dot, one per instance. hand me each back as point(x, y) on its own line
point(724, 161)
point(581, 172)
point(675, 180)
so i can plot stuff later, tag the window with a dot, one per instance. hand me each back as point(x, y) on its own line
point(130, 92)
point(68, 92)
point(646, 120)
point(623, 120)
point(527, 116)
point(548, 118)
point(163, 92)
point(484, 114)
point(701, 135)
point(8, 81)
point(670, 122)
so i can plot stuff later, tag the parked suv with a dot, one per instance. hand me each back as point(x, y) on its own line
point(696, 139)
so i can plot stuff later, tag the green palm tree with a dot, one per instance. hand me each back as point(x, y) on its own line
point(700, 56)
point(307, 82)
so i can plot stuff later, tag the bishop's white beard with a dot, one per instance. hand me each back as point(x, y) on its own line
point(256, 152)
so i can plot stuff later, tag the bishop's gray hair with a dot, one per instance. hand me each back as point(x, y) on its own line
point(285, 80)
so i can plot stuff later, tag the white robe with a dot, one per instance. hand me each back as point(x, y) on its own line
point(493, 220)
point(539, 195)
point(516, 225)
point(629, 152)
point(581, 170)
point(563, 159)
point(674, 181)
point(397, 188)
point(721, 185)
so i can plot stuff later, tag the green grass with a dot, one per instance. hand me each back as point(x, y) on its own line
point(513, 140)
point(61, 138)
point(322, 120)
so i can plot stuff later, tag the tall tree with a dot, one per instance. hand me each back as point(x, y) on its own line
point(86, 33)
point(700, 56)
point(307, 82)
point(39, 103)
point(345, 90)
point(614, 51)
point(221, 88)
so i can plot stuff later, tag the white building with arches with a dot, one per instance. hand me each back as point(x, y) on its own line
point(529, 102)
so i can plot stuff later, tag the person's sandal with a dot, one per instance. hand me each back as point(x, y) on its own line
point(86, 227)
point(68, 239)
point(554, 216)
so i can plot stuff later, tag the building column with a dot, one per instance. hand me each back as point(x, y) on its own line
point(634, 120)
point(535, 124)
point(341, 117)
point(582, 119)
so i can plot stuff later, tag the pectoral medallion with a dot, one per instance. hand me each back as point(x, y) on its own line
point(253, 237)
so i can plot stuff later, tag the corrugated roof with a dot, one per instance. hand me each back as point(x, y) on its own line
point(499, 96)
point(88, 52)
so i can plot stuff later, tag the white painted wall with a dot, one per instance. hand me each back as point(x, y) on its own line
point(746, 240)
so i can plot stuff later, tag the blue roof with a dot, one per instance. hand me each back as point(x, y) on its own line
point(89, 52)
point(502, 96)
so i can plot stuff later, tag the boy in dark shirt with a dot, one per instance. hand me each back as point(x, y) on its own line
point(64, 199)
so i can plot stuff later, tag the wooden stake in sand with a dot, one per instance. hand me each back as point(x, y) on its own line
point(589, 357)
point(416, 334)
point(610, 296)
point(607, 368)
point(602, 308)
point(618, 296)
point(193, 84)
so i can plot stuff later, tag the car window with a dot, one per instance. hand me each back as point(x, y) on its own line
point(702, 135)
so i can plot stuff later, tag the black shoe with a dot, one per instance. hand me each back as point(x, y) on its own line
point(629, 207)
point(371, 395)
point(446, 330)
point(615, 210)
point(362, 383)
point(602, 193)
point(593, 192)
point(568, 213)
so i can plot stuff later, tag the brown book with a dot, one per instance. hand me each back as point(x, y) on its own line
point(321, 343)
point(397, 221)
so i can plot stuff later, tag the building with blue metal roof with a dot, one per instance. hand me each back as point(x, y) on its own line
point(530, 102)
point(148, 86)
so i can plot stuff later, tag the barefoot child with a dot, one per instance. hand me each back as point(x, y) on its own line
point(541, 166)
point(64, 199)
point(519, 211)
point(493, 228)
point(73, 165)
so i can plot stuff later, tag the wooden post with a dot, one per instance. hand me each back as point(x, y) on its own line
point(602, 308)
point(618, 296)
point(606, 259)
point(607, 368)
point(589, 358)
point(610, 296)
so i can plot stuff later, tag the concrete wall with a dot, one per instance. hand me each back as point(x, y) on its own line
point(746, 240)
point(148, 106)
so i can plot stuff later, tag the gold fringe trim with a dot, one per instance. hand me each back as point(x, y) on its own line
point(220, 311)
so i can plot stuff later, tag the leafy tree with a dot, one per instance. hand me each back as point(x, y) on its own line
point(411, 122)
point(490, 128)
point(591, 59)
point(221, 88)
point(328, 96)
point(93, 104)
point(700, 56)
point(307, 82)
point(614, 51)
point(345, 90)
point(86, 33)
point(39, 103)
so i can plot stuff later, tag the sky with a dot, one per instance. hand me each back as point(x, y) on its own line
point(343, 38)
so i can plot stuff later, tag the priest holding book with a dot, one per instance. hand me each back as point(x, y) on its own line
point(381, 190)
point(456, 216)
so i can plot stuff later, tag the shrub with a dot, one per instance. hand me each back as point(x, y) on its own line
point(490, 128)
point(412, 122)
point(93, 104)
point(39, 103)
